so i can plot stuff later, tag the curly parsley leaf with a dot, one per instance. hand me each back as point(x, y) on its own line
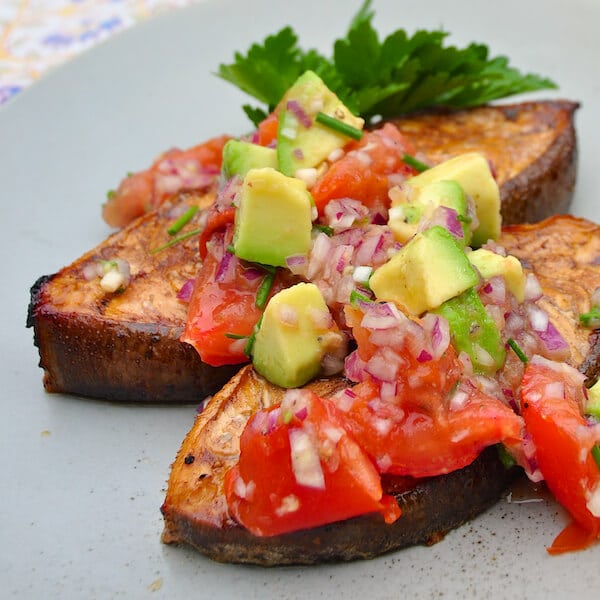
point(398, 75)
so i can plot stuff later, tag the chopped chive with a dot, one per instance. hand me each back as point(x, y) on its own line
point(250, 343)
point(235, 336)
point(183, 220)
point(287, 417)
point(264, 290)
point(356, 297)
point(230, 248)
point(110, 194)
point(324, 228)
point(464, 219)
point(268, 268)
point(339, 126)
point(415, 163)
point(176, 240)
point(596, 454)
point(590, 319)
point(517, 350)
point(505, 457)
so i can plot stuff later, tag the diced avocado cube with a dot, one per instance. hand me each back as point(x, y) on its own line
point(592, 406)
point(473, 331)
point(489, 264)
point(296, 332)
point(239, 157)
point(274, 218)
point(472, 172)
point(301, 142)
point(419, 204)
point(429, 270)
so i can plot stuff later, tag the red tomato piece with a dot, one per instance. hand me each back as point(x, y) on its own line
point(414, 428)
point(223, 304)
point(551, 409)
point(217, 221)
point(408, 440)
point(267, 130)
point(363, 172)
point(299, 469)
point(172, 172)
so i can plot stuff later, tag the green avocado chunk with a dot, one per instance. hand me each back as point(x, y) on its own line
point(301, 142)
point(490, 264)
point(296, 332)
point(274, 218)
point(421, 202)
point(430, 269)
point(592, 406)
point(473, 331)
point(239, 157)
point(472, 172)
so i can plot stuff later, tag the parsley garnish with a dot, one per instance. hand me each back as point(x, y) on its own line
point(398, 75)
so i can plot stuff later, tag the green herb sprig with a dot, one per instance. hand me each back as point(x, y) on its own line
point(390, 77)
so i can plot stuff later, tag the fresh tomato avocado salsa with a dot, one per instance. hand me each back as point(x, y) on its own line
point(333, 250)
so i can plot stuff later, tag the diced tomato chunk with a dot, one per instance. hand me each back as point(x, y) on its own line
point(176, 170)
point(405, 440)
point(222, 311)
point(267, 130)
point(363, 172)
point(551, 406)
point(299, 469)
point(403, 414)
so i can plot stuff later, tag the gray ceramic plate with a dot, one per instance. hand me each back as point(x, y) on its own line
point(82, 481)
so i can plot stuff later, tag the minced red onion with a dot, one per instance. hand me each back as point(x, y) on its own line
point(531, 466)
point(448, 218)
point(224, 268)
point(495, 291)
point(253, 273)
point(365, 159)
point(302, 413)
point(354, 367)
point(555, 389)
point(345, 399)
point(379, 368)
point(538, 318)
point(296, 263)
point(306, 464)
point(459, 399)
point(424, 356)
point(185, 293)
point(533, 289)
point(381, 316)
point(552, 338)
point(388, 390)
point(294, 106)
point(344, 212)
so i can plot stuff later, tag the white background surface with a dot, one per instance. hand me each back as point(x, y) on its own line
point(82, 481)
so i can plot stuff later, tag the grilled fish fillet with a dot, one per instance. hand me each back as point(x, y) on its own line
point(126, 346)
